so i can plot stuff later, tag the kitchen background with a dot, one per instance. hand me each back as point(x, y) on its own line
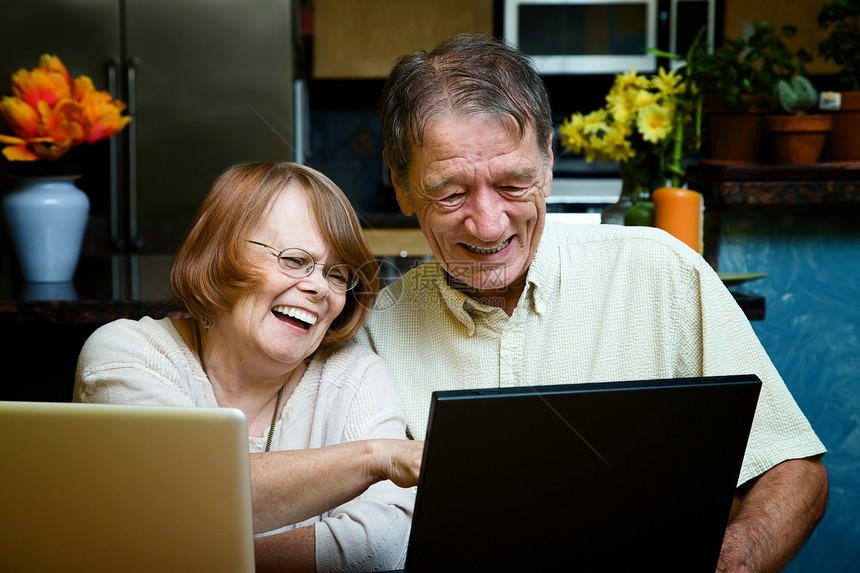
point(213, 83)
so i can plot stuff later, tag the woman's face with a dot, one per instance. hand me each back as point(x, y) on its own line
point(284, 320)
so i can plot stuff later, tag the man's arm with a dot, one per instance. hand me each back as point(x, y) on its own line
point(779, 511)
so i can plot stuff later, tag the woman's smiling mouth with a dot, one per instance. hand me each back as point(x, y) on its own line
point(486, 250)
point(304, 317)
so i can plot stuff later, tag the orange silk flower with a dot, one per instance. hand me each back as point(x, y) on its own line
point(49, 113)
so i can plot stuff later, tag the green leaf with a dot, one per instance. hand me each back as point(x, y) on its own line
point(763, 26)
point(736, 45)
point(663, 54)
point(789, 31)
point(785, 97)
point(807, 95)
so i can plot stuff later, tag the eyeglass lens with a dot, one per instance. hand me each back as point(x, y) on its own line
point(299, 264)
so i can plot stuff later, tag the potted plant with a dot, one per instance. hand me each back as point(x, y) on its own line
point(737, 80)
point(842, 46)
point(798, 136)
point(648, 125)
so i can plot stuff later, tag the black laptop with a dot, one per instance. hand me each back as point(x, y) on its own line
point(621, 476)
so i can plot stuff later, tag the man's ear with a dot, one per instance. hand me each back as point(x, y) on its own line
point(547, 188)
point(403, 197)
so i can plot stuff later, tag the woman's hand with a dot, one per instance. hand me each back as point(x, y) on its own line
point(293, 485)
point(397, 460)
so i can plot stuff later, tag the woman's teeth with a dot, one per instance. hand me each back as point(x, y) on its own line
point(296, 313)
point(487, 250)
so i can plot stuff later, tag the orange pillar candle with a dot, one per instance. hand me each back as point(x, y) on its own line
point(679, 212)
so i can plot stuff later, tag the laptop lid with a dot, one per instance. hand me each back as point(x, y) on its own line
point(86, 487)
point(618, 476)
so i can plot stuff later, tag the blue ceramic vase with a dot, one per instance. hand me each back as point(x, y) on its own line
point(47, 218)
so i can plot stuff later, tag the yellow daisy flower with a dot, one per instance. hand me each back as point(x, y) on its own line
point(571, 136)
point(655, 122)
point(629, 80)
point(665, 82)
point(644, 99)
point(617, 145)
point(595, 122)
point(621, 105)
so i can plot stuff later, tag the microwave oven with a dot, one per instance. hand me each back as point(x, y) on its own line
point(604, 36)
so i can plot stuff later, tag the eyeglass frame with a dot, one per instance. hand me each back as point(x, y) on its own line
point(309, 269)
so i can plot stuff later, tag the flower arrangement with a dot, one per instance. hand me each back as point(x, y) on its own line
point(645, 126)
point(50, 113)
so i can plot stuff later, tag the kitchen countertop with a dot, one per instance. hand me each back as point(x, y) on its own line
point(810, 189)
point(101, 291)
point(132, 286)
point(737, 184)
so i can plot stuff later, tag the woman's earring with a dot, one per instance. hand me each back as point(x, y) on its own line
point(205, 322)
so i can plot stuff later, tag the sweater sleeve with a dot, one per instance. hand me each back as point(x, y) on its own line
point(136, 362)
point(371, 531)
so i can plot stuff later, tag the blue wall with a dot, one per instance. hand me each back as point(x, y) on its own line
point(812, 257)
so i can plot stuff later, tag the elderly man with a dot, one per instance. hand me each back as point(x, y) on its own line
point(512, 300)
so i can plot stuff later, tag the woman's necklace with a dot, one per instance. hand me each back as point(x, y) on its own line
point(277, 401)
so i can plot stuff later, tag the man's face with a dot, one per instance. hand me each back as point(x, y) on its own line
point(479, 191)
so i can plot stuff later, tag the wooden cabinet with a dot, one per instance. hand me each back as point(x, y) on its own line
point(398, 242)
point(363, 38)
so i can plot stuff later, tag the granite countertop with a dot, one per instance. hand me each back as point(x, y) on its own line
point(733, 186)
point(102, 291)
point(737, 184)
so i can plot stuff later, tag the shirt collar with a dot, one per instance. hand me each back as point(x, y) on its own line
point(538, 291)
point(458, 303)
point(542, 279)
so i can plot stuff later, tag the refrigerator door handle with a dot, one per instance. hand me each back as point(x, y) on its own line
point(115, 200)
point(131, 82)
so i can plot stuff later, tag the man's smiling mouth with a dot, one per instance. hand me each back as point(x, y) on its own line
point(487, 250)
point(305, 318)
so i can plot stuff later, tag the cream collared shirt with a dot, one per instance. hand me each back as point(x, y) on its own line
point(601, 303)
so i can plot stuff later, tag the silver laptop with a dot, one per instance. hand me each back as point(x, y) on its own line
point(87, 487)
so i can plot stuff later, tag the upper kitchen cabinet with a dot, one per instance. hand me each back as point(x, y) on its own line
point(355, 39)
point(208, 84)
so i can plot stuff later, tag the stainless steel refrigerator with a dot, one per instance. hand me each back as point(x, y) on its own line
point(208, 84)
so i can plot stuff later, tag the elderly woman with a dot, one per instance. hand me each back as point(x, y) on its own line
point(276, 277)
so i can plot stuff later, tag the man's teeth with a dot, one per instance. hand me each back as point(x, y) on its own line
point(487, 250)
point(296, 313)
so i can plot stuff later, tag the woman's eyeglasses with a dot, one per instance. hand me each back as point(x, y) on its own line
point(298, 264)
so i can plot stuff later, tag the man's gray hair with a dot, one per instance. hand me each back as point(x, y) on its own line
point(467, 73)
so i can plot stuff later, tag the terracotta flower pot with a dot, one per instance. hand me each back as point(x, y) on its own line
point(843, 143)
point(736, 136)
point(798, 139)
